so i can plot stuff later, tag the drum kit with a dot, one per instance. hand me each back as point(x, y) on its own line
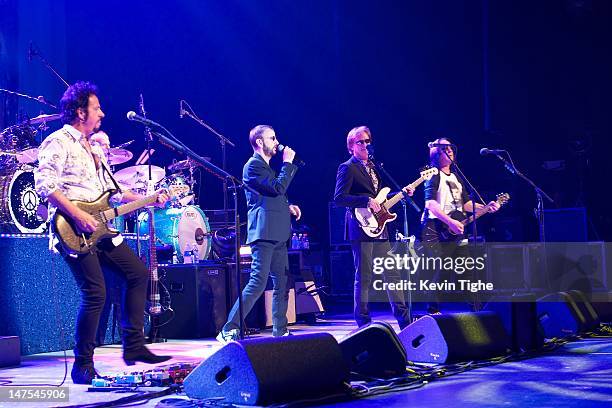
point(183, 226)
point(21, 209)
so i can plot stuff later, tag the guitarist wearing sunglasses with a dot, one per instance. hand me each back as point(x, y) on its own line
point(72, 169)
point(446, 203)
point(357, 184)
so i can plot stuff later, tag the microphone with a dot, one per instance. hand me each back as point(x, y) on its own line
point(484, 151)
point(432, 144)
point(296, 159)
point(131, 115)
point(181, 110)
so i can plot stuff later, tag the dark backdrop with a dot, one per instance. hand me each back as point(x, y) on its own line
point(532, 77)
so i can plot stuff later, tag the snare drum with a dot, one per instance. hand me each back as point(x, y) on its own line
point(181, 228)
point(21, 208)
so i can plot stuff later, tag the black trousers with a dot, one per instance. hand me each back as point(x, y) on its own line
point(87, 271)
point(363, 255)
point(434, 246)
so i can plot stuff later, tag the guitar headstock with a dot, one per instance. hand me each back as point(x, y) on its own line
point(503, 198)
point(428, 172)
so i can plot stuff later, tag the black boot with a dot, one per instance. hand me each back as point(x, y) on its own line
point(83, 374)
point(143, 355)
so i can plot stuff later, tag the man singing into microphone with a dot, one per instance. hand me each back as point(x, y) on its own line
point(444, 194)
point(72, 169)
point(269, 229)
point(357, 184)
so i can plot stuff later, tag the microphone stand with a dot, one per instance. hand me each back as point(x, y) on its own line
point(39, 99)
point(472, 192)
point(35, 52)
point(406, 199)
point(151, 214)
point(539, 210)
point(222, 140)
point(172, 142)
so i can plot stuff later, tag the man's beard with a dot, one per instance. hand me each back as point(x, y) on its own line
point(269, 152)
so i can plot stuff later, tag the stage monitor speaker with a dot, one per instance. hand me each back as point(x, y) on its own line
point(520, 319)
point(198, 298)
point(267, 370)
point(454, 337)
point(560, 316)
point(374, 350)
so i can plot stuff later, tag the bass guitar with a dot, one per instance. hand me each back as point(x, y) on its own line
point(75, 241)
point(373, 223)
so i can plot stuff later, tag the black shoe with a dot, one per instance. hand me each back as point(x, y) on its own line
point(143, 355)
point(83, 374)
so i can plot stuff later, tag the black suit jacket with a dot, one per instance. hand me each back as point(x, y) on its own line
point(268, 209)
point(353, 189)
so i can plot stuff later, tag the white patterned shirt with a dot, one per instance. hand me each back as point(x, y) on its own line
point(65, 165)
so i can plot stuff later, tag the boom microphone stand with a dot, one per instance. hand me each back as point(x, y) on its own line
point(472, 192)
point(173, 143)
point(406, 199)
point(222, 140)
point(539, 210)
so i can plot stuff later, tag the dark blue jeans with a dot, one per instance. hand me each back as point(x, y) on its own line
point(269, 258)
point(87, 270)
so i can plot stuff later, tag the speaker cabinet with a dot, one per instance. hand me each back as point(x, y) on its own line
point(197, 293)
point(559, 316)
point(342, 272)
point(454, 337)
point(520, 319)
point(267, 370)
point(374, 350)
point(336, 225)
point(565, 313)
point(9, 351)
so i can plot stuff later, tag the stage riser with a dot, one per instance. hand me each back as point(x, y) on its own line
point(38, 296)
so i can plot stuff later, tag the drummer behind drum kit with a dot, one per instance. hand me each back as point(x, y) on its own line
point(183, 226)
point(21, 209)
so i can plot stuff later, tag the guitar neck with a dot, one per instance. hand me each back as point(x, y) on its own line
point(479, 213)
point(395, 199)
point(129, 207)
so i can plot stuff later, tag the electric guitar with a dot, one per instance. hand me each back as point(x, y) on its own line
point(447, 235)
point(75, 241)
point(373, 224)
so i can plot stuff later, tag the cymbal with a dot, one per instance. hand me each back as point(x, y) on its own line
point(27, 156)
point(116, 155)
point(184, 164)
point(136, 177)
point(44, 118)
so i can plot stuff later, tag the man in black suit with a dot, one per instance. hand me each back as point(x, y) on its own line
point(269, 229)
point(357, 184)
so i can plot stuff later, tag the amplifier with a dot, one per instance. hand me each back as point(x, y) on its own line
point(198, 298)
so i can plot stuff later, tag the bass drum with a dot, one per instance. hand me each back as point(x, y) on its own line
point(182, 228)
point(21, 208)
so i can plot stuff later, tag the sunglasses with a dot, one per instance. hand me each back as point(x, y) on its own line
point(363, 142)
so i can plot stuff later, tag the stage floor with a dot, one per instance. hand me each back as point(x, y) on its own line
point(578, 373)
